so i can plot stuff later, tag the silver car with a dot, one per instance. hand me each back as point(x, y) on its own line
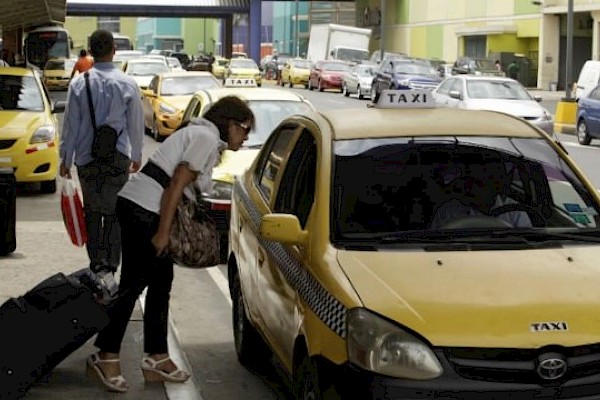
point(358, 80)
point(496, 94)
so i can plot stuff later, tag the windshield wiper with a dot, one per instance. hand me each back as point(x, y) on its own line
point(537, 235)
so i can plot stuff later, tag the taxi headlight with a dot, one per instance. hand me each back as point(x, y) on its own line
point(222, 190)
point(43, 134)
point(377, 345)
point(166, 109)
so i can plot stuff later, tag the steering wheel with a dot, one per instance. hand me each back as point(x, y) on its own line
point(534, 213)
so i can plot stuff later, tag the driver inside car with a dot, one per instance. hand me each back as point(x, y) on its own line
point(478, 192)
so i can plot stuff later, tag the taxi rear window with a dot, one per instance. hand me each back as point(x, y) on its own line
point(388, 189)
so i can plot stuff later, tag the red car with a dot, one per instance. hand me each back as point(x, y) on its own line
point(327, 75)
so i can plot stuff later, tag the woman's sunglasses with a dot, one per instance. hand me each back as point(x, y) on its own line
point(245, 127)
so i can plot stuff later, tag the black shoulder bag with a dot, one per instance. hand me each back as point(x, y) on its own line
point(104, 145)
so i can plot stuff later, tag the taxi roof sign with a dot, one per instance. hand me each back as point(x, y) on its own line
point(240, 82)
point(417, 98)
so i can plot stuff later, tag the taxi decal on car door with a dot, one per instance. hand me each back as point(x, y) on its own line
point(326, 307)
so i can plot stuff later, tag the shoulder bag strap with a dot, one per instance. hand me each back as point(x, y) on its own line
point(86, 75)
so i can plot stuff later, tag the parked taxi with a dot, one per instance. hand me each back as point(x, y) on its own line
point(29, 135)
point(270, 107)
point(57, 73)
point(219, 66)
point(295, 71)
point(168, 94)
point(364, 255)
point(243, 68)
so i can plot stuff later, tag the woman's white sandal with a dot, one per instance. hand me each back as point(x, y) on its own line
point(152, 373)
point(114, 383)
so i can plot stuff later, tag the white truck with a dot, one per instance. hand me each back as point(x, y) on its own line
point(338, 42)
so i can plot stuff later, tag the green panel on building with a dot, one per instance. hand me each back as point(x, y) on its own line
point(435, 41)
point(526, 7)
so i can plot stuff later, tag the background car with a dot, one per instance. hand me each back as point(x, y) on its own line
point(174, 64)
point(243, 68)
point(142, 70)
point(57, 73)
point(295, 72)
point(376, 56)
point(167, 95)
point(327, 75)
point(219, 66)
point(588, 117)
point(495, 94)
point(270, 107)
point(359, 80)
point(29, 137)
point(403, 73)
point(475, 66)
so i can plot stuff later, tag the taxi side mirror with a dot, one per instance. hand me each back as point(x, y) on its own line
point(282, 228)
point(58, 106)
point(455, 94)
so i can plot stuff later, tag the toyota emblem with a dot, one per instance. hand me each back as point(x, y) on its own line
point(551, 366)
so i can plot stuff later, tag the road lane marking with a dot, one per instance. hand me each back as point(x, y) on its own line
point(221, 282)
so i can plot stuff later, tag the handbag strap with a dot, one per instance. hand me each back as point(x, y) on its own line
point(86, 75)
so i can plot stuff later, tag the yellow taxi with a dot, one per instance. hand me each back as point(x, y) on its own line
point(168, 94)
point(295, 72)
point(243, 68)
point(57, 73)
point(367, 255)
point(219, 66)
point(29, 135)
point(270, 107)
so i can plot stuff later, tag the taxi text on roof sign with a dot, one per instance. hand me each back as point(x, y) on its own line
point(240, 82)
point(405, 99)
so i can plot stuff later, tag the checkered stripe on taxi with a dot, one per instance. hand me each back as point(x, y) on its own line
point(321, 302)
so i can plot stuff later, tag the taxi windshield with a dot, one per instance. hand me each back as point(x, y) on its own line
point(20, 93)
point(268, 114)
point(187, 85)
point(420, 188)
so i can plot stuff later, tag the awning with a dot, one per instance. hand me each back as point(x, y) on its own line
point(17, 14)
point(486, 30)
point(155, 8)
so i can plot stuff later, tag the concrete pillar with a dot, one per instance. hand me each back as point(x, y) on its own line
point(549, 50)
point(255, 25)
point(227, 38)
point(12, 41)
point(595, 35)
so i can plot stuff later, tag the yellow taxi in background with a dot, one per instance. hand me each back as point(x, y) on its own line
point(270, 107)
point(28, 128)
point(219, 66)
point(365, 252)
point(243, 68)
point(57, 73)
point(295, 71)
point(168, 94)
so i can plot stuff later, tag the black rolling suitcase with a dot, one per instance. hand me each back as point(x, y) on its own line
point(8, 214)
point(41, 328)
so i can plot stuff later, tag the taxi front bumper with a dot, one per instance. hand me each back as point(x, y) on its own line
point(466, 381)
point(30, 162)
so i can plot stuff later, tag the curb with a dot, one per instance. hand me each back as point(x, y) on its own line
point(189, 390)
point(570, 129)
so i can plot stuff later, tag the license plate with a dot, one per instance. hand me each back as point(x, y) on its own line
point(7, 160)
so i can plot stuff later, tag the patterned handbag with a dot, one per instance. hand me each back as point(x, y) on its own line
point(194, 239)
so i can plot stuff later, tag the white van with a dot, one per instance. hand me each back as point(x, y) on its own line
point(589, 78)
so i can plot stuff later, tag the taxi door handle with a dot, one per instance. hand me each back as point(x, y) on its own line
point(261, 257)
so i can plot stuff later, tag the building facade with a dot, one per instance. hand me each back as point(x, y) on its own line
point(533, 32)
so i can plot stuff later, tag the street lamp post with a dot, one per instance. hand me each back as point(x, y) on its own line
point(569, 55)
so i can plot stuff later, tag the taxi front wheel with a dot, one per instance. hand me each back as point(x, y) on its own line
point(249, 346)
point(309, 384)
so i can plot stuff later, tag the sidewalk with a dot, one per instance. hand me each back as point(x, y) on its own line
point(43, 249)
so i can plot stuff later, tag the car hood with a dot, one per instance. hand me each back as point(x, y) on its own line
point(249, 71)
point(233, 163)
point(519, 108)
point(423, 78)
point(18, 124)
point(179, 102)
point(483, 298)
point(57, 74)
